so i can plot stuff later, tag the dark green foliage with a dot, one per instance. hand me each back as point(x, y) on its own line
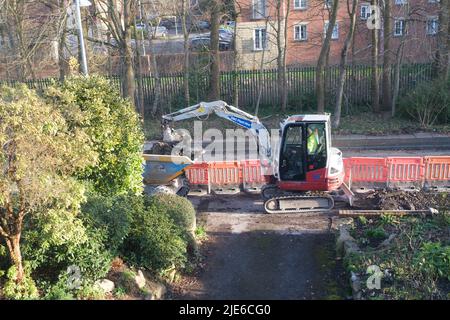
point(115, 214)
point(428, 103)
point(154, 242)
point(179, 209)
point(434, 259)
point(95, 106)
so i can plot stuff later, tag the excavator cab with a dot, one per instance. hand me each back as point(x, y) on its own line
point(307, 162)
point(303, 149)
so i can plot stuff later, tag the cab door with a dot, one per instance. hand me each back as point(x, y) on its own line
point(292, 165)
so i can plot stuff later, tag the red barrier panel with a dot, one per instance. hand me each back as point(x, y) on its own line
point(251, 172)
point(224, 173)
point(365, 169)
point(437, 169)
point(405, 169)
point(391, 170)
point(197, 174)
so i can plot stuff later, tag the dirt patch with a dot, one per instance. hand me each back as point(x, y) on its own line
point(401, 200)
point(260, 265)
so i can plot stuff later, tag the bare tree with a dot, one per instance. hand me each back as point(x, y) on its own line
point(387, 61)
point(343, 62)
point(216, 8)
point(375, 73)
point(320, 80)
point(281, 28)
point(29, 36)
point(118, 16)
point(184, 15)
point(443, 52)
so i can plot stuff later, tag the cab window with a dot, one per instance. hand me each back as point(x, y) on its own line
point(316, 146)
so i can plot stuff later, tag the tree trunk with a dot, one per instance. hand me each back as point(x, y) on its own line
point(140, 95)
point(375, 77)
point(320, 79)
point(62, 62)
point(13, 244)
point(387, 64)
point(398, 63)
point(236, 70)
point(214, 89)
point(127, 52)
point(261, 70)
point(342, 65)
point(155, 73)
point(187, 95)
point(443, 52)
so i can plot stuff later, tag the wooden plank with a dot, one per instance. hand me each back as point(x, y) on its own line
point(376, 213)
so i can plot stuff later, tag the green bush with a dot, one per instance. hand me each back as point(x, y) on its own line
point(179, 209)
point(50, 250)
point(154, 241)
point(26, 290)
point(428, 103)
point(4, 260)
point(59, 291)
point(94, 105)
point(434, 260)
point(113, 213)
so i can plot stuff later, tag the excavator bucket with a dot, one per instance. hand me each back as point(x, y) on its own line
point(162, 169)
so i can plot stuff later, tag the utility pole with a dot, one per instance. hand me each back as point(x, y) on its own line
point(84, 67)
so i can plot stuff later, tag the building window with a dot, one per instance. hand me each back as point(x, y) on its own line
point(432, 26)
point(400, 2)
point(259, 39)
point(335, 34)
point(399, 27)
point(365, 12)
point(259, 9)
point(300, 33)
point(300, 4)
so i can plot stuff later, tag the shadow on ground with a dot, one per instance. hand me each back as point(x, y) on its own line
point(267, 265)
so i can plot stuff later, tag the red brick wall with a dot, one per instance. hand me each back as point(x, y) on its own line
point(418, 46)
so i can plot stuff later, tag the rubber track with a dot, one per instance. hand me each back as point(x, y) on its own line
point(293, 197)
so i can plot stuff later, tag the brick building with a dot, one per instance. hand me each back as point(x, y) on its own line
point(414, 23)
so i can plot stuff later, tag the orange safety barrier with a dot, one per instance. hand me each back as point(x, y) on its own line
point(359, 169)
point(405, 169)
point(437, 169)
point(252, 172)
point(224, 173)
point(197, 174)
point(391, 170)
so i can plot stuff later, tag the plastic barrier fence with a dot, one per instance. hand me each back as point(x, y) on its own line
point(403, 169)
point(365, 169)
point(390, 171)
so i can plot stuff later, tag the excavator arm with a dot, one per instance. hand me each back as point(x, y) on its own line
point(202, 110)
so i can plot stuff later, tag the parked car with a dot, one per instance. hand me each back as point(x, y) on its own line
point(202, 25)
point(158, 32)
point(203, 44)
point(168, 23)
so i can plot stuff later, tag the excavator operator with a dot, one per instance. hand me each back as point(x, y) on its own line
point(313, 140)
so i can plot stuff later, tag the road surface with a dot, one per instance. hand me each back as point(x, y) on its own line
point(252, 255)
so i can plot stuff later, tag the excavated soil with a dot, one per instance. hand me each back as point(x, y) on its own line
point(402, 200)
